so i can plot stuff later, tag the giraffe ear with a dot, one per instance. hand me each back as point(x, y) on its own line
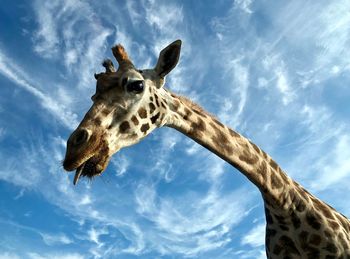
point(168, 58)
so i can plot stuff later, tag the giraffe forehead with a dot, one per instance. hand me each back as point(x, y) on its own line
point(132, 75)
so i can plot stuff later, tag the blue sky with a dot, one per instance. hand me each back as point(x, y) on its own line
point(277, 72)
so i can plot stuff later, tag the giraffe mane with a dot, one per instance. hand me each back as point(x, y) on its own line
point(194, 106)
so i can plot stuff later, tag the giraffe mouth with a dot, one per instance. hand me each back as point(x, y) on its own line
point(87, 169)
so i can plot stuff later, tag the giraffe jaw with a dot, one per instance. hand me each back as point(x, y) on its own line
point(87, 169)
point(92, 167)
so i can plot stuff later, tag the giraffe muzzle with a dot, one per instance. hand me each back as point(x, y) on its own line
point(89, 169)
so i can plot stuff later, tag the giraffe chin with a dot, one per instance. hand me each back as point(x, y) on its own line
point(87, 169)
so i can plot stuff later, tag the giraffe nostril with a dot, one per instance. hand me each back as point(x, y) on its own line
point(80, 137)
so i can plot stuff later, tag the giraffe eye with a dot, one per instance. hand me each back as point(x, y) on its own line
point(135, 86)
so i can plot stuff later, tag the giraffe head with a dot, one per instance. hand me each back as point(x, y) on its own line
point(128, 104)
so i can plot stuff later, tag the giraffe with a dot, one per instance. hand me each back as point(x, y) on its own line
point(129, 103)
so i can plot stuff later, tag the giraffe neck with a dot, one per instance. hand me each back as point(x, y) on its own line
point(232, 147)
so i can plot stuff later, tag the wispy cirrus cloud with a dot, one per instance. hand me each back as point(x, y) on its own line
point(57, 189)
point(255, 237)
point(337, 162)
point(53, 239)
point(71, 32)
point(17, 75)
point(174, 220)
point(9, 255)
point(244, 5)
point(250, 81)
point(276, 95)
point(57, 255)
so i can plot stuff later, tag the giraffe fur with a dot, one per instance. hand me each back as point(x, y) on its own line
point(298, 224)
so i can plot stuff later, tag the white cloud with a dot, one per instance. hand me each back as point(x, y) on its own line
point(283, 87)
point(262, 82)
point(162, 162)
point(91, 56)
point(334, 36)
point(121, 163)
point(255, 237)
point(279, 77)
point(85, 200)
point(46, 36)
point(134, 15)
point(95, 234)
point(163, 17)
point(249, 254)
point(192, 148)
point(20, 194)
point(16, 74)
point(57, 255)
point(244, 5)
point(317, 30)
point(9, 255)
point(174, 219)
point(169, 227)
point(167, 23)
point(240, 80)
point(334, 169)
point(54, 239)
point(72, 33)
point(76, 202)
point(52, 17)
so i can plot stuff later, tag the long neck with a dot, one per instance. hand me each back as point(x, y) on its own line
point(232, 147)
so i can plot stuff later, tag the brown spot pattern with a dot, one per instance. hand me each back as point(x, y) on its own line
point(277, 249)
point(256, 148)
point(142, 112)
point(124, 126)
point(161, 117)
point(105, 112)
point(234, 134)
point(273, 164)
point(175, 106)
point(248, 157)
point(151, 108)
point(157, 100)
point(283, 175)
point(198, 112)
point(331, 248)
point(197, 128)
point(214, 126)
point(265, 155)
point(261, 170)
point(188, 113)
point(315, 239)
point(284, 227)
point(135, 120)
point(312, 221)
point(333, 224)
point(271, 232)
point(145, 127)
point(295, 220)
point(289, 245)
point(326, 211)
point(98, 121)
point(275, 181)
point(300, 206)
point(303, 238)
point(222, 142)
point(218, 122)
point(155, 117)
